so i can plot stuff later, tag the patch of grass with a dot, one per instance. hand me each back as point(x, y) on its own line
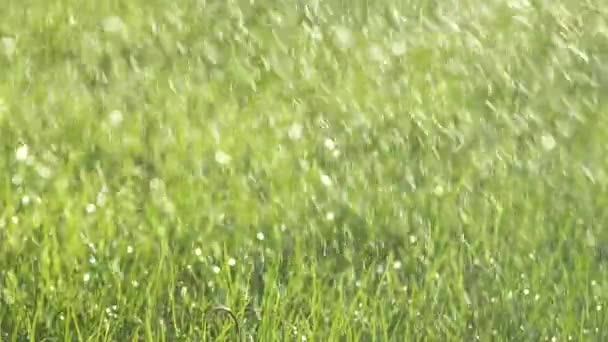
point(328, 170)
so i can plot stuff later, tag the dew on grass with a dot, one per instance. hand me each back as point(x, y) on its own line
point(115, 117)
point(260, 236)
point(438, 190)
point(548, 142)
point(101, 199)
point(135, 283)
point(295, 131)
point(231, 262)
point(198, 252)
point(216, 269)
point(598, 307)
point(157, 185)
point(86, 277)
point(25, 200)
point(111, 311)
point(22, 153)
point(325, 180)
point(329, 144)
point(343, 37)
point(413, 239)
point(17, 180)
point(398, 48)
point(113, 24)
point(43, 171)
point(397, 265)
point(129, 249)
point(330, 216)
point(9, 46)
point(92, 260)
point(15, 220)
point(90, 208)
point(377, 54)
point(222, 158)
point(315, 33)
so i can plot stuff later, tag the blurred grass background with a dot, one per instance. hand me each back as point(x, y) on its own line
point(330, 170)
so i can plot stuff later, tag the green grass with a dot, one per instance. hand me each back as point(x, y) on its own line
point(328, 170)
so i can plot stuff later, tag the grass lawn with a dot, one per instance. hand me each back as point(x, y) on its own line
point(326, 170)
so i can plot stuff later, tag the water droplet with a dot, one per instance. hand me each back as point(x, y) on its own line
point(439, 190)
point(330, 216)
point(22, 152)
point(295, 131)
point(343, 37)
point(86, 277)
point(398, 48)
point(397, 265)
point(329, 144)
point(25, 200)
point(548, 142)
point(134, 283)
point(91, 208)
point(526, 292)
point(325, 180)
point(231, 262)
point(129, 249)
point(216, 269)
point(15, 220)
point(376, 54)
point(198, 252)
point(92, 259)
point(115, 118)
point(43, 171)
point(17, 180)
point(260, 236)
point(113, 24)
point(9, 46)
point(222, 158)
